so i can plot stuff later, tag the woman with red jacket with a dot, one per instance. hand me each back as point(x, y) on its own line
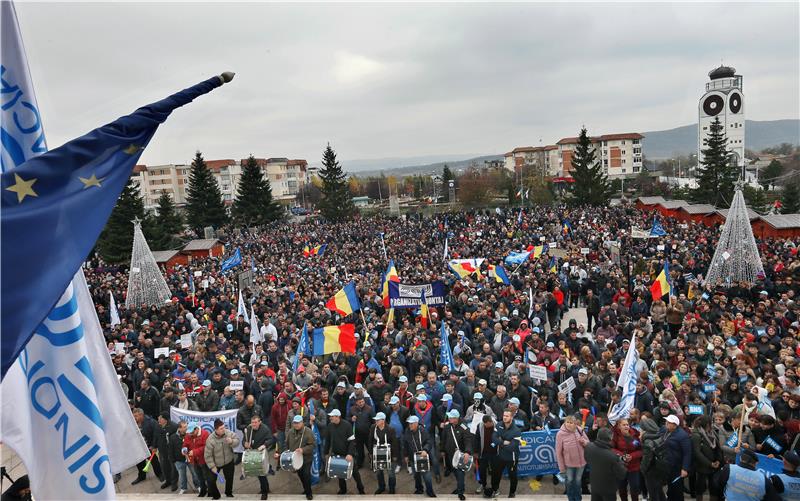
point(195, 445)
point(627, 445)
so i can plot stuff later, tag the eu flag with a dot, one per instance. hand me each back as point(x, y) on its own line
point(55, 205)
point(233, 261)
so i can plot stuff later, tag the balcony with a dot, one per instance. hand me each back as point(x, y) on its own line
point(724, 83)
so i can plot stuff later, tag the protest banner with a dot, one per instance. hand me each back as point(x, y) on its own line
point(537, 453)
point(206, 421)
point(410, 296)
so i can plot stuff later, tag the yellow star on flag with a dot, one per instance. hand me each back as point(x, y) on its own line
point(130, 150)
point(22, 188)
point(92, 181)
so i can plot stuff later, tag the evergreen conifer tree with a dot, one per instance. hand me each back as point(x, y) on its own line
point(167, 224)
point(254, 205)
point(790, 199)
point(204, 205)
point(591, 184)
point(717, 173)
point(116, 240)
point(336, 204)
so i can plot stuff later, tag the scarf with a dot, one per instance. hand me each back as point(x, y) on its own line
point(710, 439)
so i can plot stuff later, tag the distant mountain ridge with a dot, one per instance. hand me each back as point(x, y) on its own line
point(658, 144)
point(662, 144)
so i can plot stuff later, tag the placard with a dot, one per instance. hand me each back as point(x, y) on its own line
point(477, 419)
point(567, 386)
point(709, 388)
point(119, 348)
point(186, 340)
point(584, 250)
point(697, 410)
point(660, 247)
point(161, 351)
point(538, 372)
point(236, 385)
point(198, 273)
point(553, 245)
point(204, 284)
point(135, 269)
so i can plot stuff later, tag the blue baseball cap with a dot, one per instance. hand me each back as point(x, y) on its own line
point(454, 414)
point(297, 419)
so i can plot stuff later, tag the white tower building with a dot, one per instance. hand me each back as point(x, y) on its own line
point(723, 99)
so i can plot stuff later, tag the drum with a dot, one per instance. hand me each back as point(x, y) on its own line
point(381, 457)
point(422, 464)
point(291, 460)
point(339, 467)
point(254, 463)
point(460, 462)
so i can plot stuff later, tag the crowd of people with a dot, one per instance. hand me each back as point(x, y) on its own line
point(717, 381)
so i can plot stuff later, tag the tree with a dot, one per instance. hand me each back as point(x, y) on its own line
point(337, 203)
point(204, 205)
point(167, 224)
point(591, 184)
point(717, 173)
point(473, 189)
point(756, 199)
point(790, 200)
point(116, 240)
point(766, 177)
point(447, 176)
point(254, 205)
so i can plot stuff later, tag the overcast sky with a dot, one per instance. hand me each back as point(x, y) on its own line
point(401, 80)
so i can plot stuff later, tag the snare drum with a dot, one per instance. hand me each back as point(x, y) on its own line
point(381, 457)
point(422, 464)
point(339, 467)
point(254, 463)
point(460, 462)
point(291, 460)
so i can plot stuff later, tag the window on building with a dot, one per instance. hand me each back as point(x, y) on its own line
point(623, 152)
point(636, 169)
point(636, 141)
point(623, 161)
point(705, 128)
point(624, 171)
point(605, 163)
point(623, 142)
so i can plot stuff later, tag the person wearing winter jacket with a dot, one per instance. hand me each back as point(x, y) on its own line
point(707, 455)
point(507, 437)
point(278, 415)
point(194, 444)
point(570, 443)
point(606, 468)
point(220, 457)
point(626, 444)
point(651, 439)
point(679, 453)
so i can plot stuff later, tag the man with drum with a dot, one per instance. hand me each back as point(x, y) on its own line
point(456, 438)
point(507, 437)
point(418, 446)
point(380, 437)
point(341, 441)
point(257, 438)
point(300, 440)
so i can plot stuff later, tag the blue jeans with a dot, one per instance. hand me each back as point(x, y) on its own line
point(182, 466)
point(573, 483)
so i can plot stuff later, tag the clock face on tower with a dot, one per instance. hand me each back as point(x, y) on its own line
point(735, 102)
point(713, 104)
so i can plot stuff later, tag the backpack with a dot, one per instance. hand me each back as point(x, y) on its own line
point(655, 459)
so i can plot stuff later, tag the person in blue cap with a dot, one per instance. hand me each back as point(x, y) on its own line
point(341, 441)
point(381, 434)
point(455, 437)
point(300, 438)
point(416, 440)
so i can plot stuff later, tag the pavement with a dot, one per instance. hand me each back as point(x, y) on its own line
point(286, 486)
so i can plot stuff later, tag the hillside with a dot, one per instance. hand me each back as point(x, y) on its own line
point(682, 140)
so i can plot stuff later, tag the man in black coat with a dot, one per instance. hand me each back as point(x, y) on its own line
point(341, 441)
point(455, 437)
point(164, 440)
point(148, 399)
point(147, 427)
point(416, 440)
point(679, 452)
point(257, 436)
point(606, 468)
point(383, 434)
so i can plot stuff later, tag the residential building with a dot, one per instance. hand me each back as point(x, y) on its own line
point(619, 154)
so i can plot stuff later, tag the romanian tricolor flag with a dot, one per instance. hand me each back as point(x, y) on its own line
point(537, 251)
point(465, 267)
point(345, 301)
point(553, 265)
point(566, 227)
point(306, 251)
point(499, 273)
point(423, 312)
point(390, 276)
point(661, 287)
point(335, 339)
point(319, 250)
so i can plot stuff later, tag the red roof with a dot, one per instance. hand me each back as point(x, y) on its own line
point(139, 168)
point(550, 147)
point(218, 164)
point(624, 135)
point(297, 162)
point(525, 149)
point(574, 140)
point(261, 162)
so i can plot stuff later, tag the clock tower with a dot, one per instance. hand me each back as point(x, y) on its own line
point(723, 99)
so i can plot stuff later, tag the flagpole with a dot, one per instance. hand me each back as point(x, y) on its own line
point(366, 329)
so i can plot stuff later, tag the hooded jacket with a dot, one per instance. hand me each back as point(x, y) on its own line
point(607, 469)
point(569, 448)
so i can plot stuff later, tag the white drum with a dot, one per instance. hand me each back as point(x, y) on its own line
point(291, 461)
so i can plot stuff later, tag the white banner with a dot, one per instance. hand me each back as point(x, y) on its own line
point(112, 311)
point(63, 410)
point(206, 421)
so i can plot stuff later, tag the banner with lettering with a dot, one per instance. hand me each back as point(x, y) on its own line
point(537, 453)
point(767, 465)
point(410, 296)
point(206, 421)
